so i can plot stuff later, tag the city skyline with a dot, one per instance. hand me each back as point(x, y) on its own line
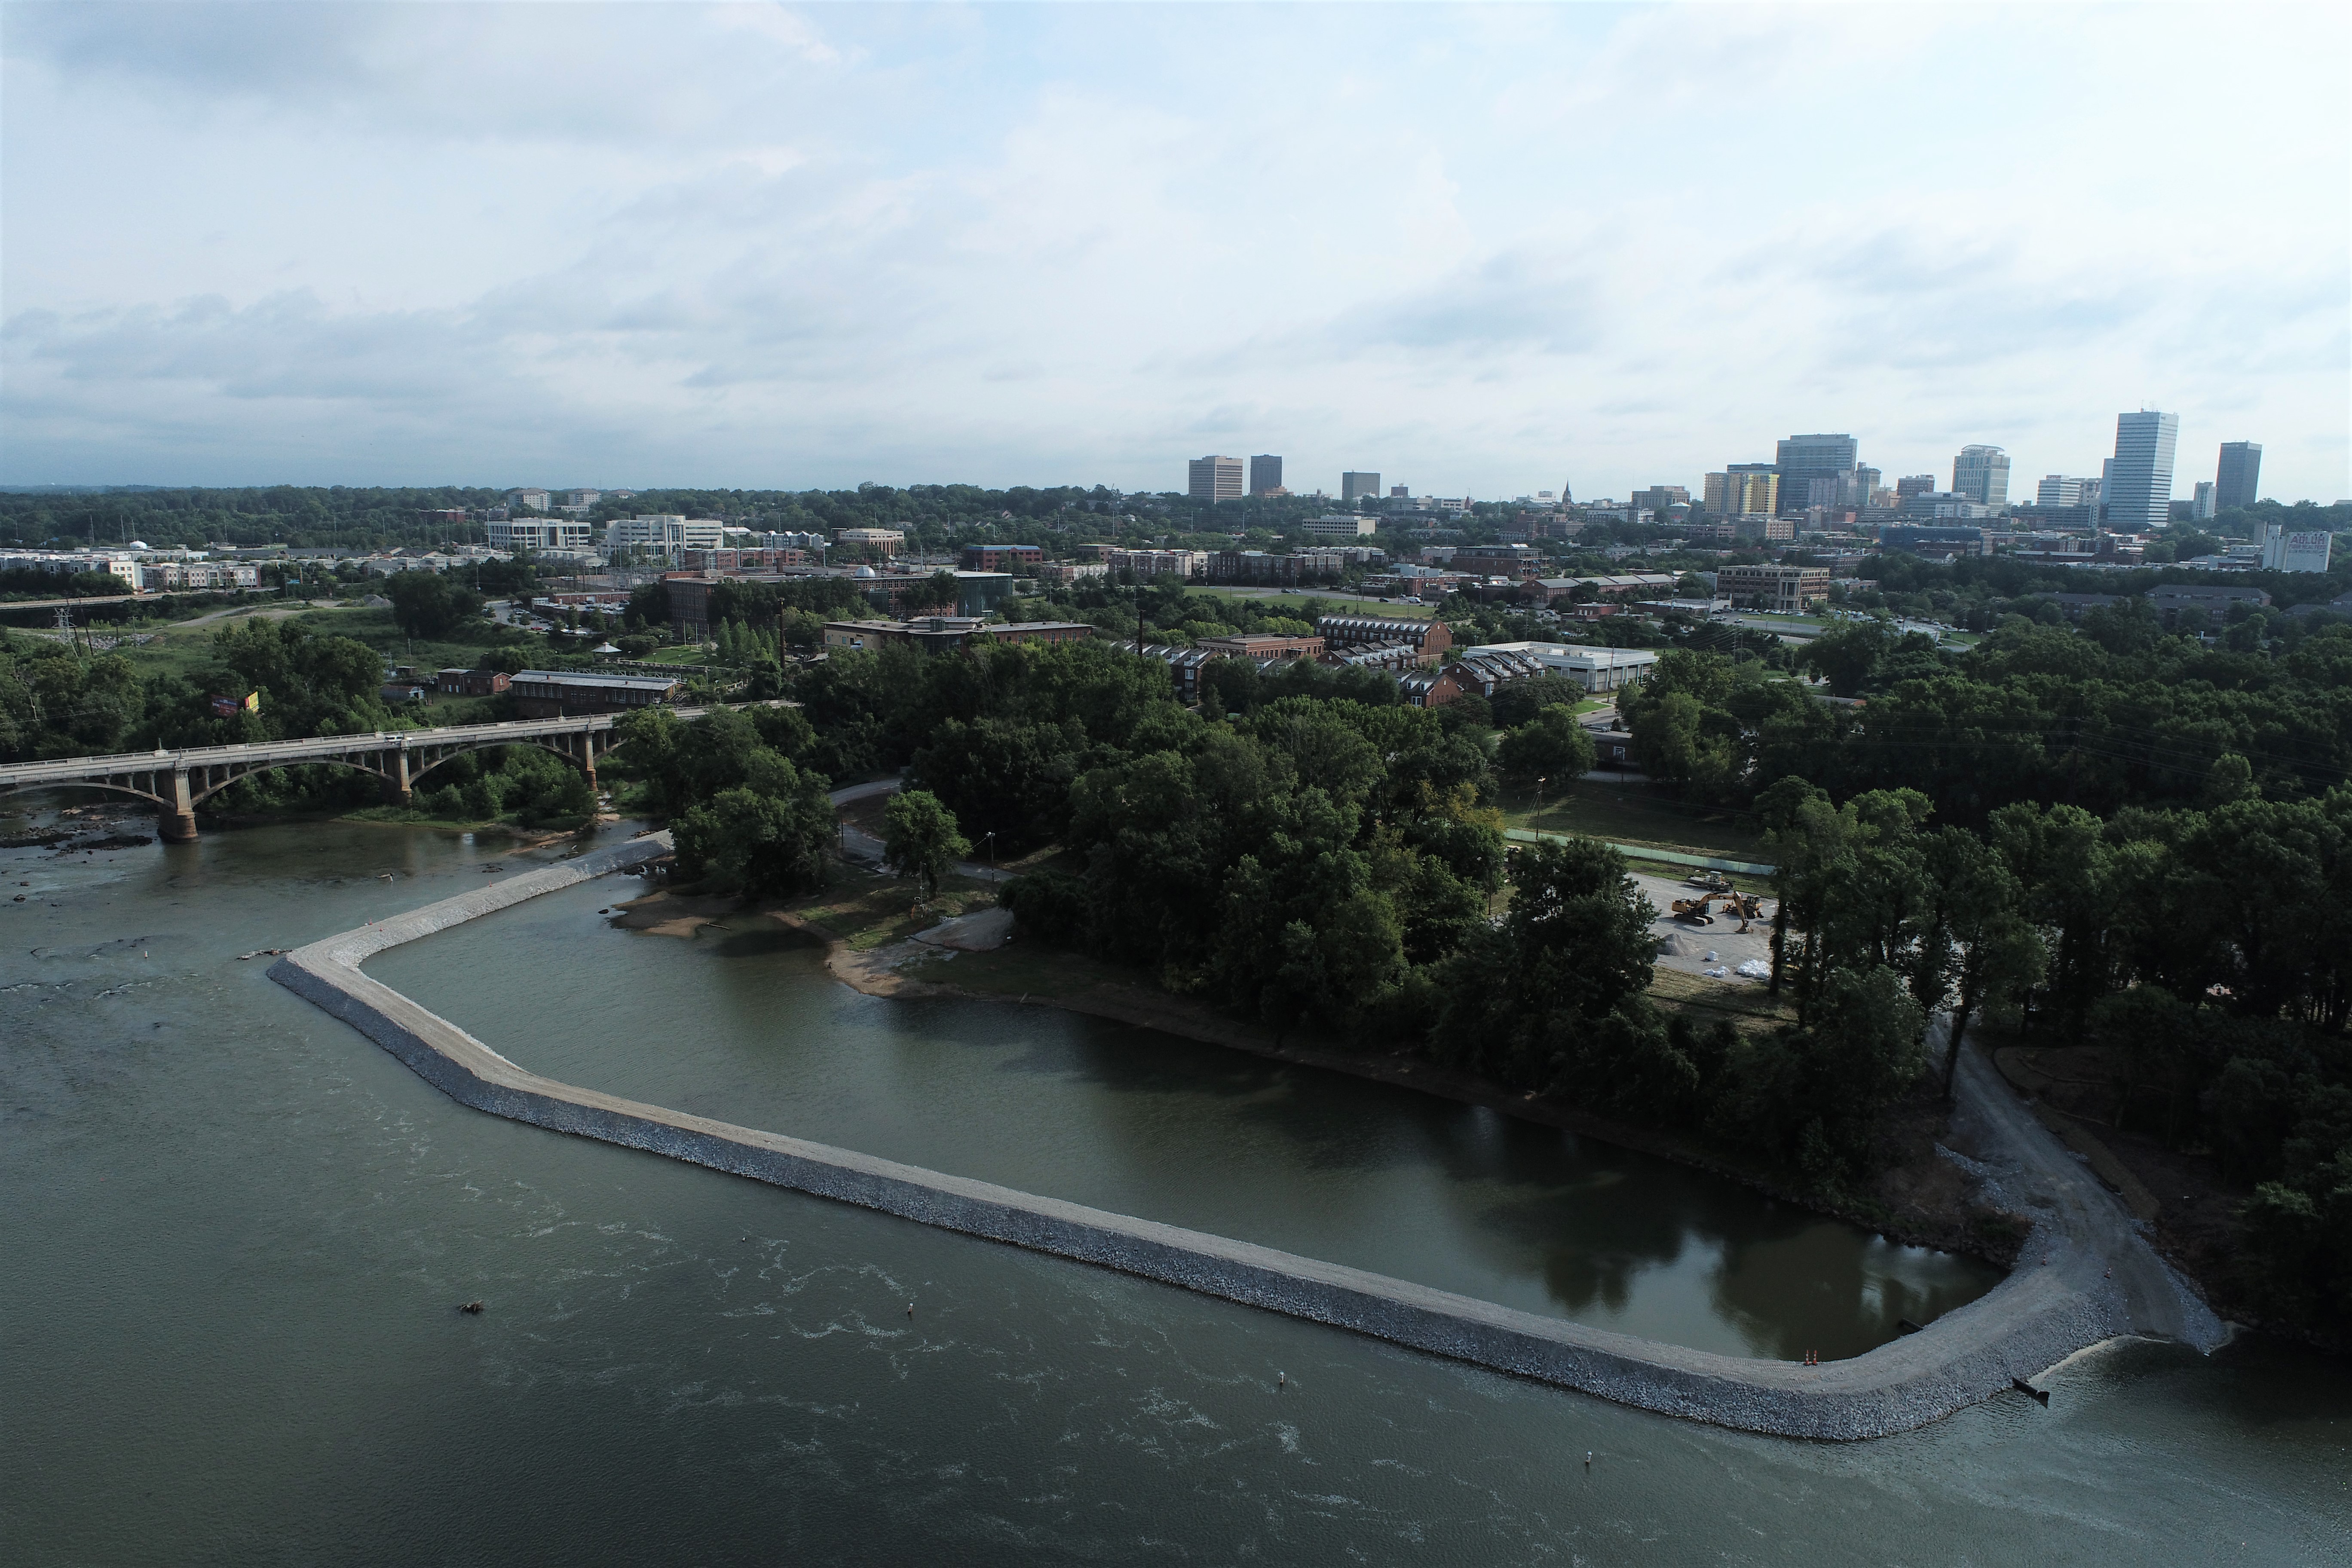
point(1008, 246)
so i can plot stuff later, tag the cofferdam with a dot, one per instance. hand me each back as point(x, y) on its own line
point(2033, 1320)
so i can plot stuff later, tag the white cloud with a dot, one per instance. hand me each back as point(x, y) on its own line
point(1475, 249)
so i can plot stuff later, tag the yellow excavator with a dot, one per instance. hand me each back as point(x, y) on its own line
point(1747, 906)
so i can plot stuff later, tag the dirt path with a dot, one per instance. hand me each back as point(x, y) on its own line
point(2087, 1236)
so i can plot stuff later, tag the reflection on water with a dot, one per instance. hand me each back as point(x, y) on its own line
point(235, 1234)
point(744, 1025)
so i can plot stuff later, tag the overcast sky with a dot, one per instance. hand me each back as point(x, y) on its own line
point(1481, 250)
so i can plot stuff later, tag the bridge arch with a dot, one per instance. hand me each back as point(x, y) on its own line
point(446, 754)
point(155, 800)
point(197, 794)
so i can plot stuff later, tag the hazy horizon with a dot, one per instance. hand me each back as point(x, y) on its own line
point(1477, 250)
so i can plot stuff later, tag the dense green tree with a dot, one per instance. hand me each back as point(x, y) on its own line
point(1977, 947)
point(429, 604)
point(1817, 1096)
point(1551, 745)
point(1004, 776)
point(920, 838)
point(771, 837)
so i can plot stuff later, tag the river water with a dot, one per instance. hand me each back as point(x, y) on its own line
point(236, 1231)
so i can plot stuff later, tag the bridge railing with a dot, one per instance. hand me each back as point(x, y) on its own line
point(164, 760)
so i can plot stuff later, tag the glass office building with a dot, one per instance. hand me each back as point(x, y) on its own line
point(2138, 490)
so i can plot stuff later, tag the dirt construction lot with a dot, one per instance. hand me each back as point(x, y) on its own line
point(1685, 946)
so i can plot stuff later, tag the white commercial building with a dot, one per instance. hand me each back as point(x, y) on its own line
point(662, 535)
point(540, 534)
point(73, 562)
point(2300, 550)
point(1340, 526)
point(156, 577)
point(1593, 669)
point(886, 540)
point(1150, 563)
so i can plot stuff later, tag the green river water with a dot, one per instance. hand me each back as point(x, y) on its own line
point(236, 1232)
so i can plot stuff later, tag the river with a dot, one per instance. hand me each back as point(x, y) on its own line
point(237, 1232)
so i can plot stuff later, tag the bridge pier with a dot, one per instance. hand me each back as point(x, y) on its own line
point(397, 790)
point(176, 824)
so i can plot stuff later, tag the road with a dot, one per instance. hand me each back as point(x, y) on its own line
point(861, 845)
point(271, 610)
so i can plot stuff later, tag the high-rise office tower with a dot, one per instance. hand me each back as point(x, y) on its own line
point(1266, 475)
point(1744, 488)
point(1216, 478)
point(2065, 490)
point(2138, 492)
point(1801, 460)
point(1981, 474)
point(1911, 485)
point(2241, 475)
point(1357, 486)
point(2201, 506)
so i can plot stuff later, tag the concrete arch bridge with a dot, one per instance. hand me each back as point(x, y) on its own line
point(179, 781)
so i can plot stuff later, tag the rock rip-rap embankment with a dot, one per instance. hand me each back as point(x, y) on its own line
point(2031, 1321)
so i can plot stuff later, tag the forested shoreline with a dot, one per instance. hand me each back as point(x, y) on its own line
point(2115, 834)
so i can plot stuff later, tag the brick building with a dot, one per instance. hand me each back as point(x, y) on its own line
point(1002, 558)
point(1789, 588)
point(557, 693)
point(1261, 644)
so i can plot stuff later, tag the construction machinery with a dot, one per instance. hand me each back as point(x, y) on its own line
point(1713, 881)
point(1699, 911)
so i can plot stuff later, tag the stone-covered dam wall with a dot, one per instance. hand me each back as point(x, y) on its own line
point(2027, 1323)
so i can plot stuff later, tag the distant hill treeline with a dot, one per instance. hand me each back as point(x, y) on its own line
point(354, 517)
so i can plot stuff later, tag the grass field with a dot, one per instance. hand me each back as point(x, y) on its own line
point(1630, 813)
point(1749, 1007)
point(1273, 599)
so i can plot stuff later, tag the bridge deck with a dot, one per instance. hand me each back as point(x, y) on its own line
point(66, 770)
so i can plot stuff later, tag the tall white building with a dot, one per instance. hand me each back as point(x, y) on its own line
point(1981, 474)
point(1213, 480)
point(2139, 492)
point(2065, 489)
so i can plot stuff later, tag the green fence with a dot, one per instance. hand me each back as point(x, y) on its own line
point(1644, 852)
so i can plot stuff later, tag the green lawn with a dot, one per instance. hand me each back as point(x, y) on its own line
point(1274, 599)
point(1631, 814)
